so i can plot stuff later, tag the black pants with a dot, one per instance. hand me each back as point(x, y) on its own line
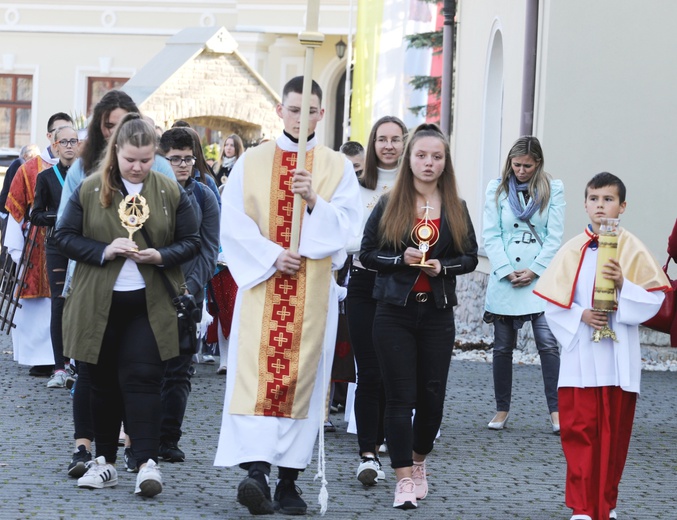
point(174, 394)
point(125, 383)
point(56, 272)
point(369, 395)
point(82, 411)
point(414, 345)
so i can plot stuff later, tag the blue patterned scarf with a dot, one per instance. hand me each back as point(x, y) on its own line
point(521, 213)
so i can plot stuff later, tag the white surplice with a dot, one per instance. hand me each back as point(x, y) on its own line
point(583, 362)
point(251, 260)
point(31, 339)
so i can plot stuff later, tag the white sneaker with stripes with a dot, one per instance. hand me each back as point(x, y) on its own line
point(99, 475)
point(149, 480)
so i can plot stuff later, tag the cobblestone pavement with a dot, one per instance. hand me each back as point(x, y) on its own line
point(474, 473)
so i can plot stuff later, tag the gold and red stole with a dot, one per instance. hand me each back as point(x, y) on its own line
point(282, 320)
point(19, 200)
point(558, 283)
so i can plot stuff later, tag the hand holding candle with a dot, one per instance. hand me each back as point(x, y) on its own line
point(608, 276)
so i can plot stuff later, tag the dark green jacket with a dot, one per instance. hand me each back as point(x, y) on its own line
point(84, 231)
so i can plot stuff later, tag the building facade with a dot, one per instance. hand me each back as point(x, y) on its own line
point(62, 56)
point(604, 101)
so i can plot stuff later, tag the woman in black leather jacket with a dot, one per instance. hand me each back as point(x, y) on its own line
point(414, 328)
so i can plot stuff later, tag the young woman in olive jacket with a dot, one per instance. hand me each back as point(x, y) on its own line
point(119, 317)
point(414, 328)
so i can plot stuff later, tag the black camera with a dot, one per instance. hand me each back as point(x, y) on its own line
point(186, 306)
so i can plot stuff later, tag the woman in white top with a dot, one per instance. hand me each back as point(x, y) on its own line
point(384, 150)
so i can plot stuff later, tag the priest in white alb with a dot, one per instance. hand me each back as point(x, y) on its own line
point(286, 310)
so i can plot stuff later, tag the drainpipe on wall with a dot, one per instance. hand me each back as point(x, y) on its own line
point(349, 86)
point(449, 11)
point(529, 74)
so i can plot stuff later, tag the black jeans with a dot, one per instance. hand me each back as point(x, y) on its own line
point(125, 383)
point(414, 345)
point(174, 394)
point(82, 411)
point(56, 273)
point(369, 395)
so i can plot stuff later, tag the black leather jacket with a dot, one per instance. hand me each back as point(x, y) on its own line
point(395, 279)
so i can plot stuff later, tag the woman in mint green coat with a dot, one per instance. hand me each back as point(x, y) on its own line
point(523, 227)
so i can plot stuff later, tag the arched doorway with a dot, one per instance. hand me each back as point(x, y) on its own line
point(340, 104)
point(492, 121)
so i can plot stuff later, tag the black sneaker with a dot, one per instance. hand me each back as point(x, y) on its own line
point(77, 467)
point(288, 499)
point(41, 370)
point(130, 461)
point(254, 493)
point(170, 452)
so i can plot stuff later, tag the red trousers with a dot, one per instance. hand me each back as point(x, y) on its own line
point(596, 424)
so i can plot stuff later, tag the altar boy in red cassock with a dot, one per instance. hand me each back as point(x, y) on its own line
point(599, 382)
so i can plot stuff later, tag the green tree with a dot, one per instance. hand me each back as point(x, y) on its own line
point(211, 151)
point(432, 84)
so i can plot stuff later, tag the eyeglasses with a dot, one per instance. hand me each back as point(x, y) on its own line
point(395, 141)
point(175, 160)
point(68, 142)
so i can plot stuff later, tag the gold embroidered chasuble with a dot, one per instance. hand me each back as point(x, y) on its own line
point(282, 320)
point(558, 283)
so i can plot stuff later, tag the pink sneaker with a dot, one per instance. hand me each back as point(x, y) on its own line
point(405, 497)
point(418, 475)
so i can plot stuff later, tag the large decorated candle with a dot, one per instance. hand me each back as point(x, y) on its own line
point(604, 297)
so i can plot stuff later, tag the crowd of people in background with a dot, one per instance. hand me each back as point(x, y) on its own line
point(125, 218)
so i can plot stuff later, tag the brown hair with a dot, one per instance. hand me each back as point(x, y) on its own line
point(369, 177)
point(200, 161)
point(95, 144)
point(131, 130)
point(239, 146)
point(399, 216)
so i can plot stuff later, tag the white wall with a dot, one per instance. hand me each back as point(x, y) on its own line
point(608, 104)
point(487, 109)
point(605, 102)
point(61, 63)
point(62, 43)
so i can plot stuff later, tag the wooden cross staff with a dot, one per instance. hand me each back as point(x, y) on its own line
point(310, 38)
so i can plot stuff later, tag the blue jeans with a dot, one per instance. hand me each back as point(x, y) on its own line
point(505, 340)
point(414, 345)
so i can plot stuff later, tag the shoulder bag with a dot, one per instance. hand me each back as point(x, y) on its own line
point(662, 321)
point(187, 312)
